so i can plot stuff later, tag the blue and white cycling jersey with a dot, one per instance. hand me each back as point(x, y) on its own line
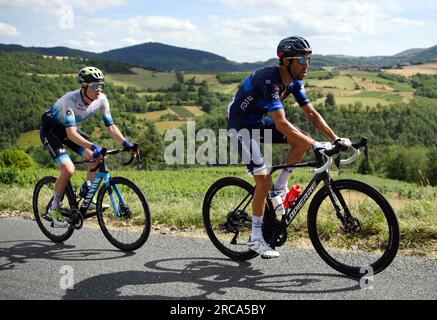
point(259, 94)
point(70, 109)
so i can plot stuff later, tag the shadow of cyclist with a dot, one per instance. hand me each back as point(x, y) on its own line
point(201, 279)
point(25, 250)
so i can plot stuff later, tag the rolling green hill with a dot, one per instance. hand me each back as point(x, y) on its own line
point(165, 57)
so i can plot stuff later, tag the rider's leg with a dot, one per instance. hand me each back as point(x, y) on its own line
point(263, 186)
point(295, 155)
point(256, 241)
point(66, 172)
point(88, 155)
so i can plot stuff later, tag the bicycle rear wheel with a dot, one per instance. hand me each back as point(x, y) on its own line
point(227, 218)
point(126, 223)
point(42, 199)
point(374, 241)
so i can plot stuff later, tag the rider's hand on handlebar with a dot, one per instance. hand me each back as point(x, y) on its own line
point(132, 147)
point(97, 151)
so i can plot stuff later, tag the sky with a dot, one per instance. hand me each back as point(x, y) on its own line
point(240, 30)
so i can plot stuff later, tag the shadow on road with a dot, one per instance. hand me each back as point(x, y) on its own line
point(199, 278)
point(25, 250)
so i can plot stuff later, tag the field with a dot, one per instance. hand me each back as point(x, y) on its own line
point(176, 198)
point(350, 86)
point(29, 139)
point(143, 79)
point(408, 71)
point(213, 83)
point(154, 115)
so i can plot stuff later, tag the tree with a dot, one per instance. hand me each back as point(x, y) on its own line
point(151, 146)
point(17, 159)
point(330, 101)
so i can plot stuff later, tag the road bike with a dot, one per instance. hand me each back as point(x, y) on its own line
point(351, 225)
point(125, 222)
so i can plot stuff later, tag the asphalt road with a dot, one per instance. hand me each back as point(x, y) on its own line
point(171, 267)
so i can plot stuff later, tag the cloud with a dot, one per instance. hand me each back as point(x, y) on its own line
point(317, 17)
point(261, 24)
point(8, 30)
point(52, 7)
point(140, 29)
point(63, 11)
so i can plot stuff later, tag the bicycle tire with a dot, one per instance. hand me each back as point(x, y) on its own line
point(367, 193)
point(231, 252)
point(40, 208)
point(143, 210)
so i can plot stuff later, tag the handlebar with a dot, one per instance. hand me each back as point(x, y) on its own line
point(105, 152)
point(336, 150)
point(135, 155)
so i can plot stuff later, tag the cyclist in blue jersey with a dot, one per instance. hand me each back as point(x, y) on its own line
point(262, 93)
point(59, 129)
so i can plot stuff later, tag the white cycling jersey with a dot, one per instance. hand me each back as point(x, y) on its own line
point(71, 109)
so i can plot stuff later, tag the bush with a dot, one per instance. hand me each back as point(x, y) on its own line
point(14, 158)
point(406, 164)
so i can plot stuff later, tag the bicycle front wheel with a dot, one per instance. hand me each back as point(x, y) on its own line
point(227, 218)
point(372, 241)
point(126, 222)
point(42, 199)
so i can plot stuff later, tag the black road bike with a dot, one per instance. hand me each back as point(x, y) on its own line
point(351, 225)
point(125, 222)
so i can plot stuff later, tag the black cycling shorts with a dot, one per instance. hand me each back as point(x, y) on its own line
point(54, 138)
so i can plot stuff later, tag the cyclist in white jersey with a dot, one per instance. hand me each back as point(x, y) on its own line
point(58, 129)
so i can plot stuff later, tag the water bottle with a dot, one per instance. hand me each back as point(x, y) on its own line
point(277, 204)
point(292, 195)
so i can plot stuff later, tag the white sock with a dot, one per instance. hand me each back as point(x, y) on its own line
point(257, 228)
point(283, 179)
point(57, 198)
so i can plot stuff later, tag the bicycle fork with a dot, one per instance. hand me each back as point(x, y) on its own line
point(349, 222)
point(120, 207)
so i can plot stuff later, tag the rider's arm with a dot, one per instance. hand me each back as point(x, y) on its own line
point(77, 138)
point(293, 134)
point(115, 133)
point(317, 121)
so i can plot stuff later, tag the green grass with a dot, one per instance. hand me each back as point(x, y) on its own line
point(29, 139)
point(176, 198)
point(143, 79)
point(340, 82)
point(153, 115)
point(182, 112)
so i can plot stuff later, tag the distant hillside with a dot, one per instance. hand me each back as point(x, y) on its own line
point(165, 57)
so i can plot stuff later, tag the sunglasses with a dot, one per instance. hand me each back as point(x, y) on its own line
point(97, 86)
point(302, 59)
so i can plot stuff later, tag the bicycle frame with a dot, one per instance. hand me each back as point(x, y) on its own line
point(104, 176)
point(302, 199)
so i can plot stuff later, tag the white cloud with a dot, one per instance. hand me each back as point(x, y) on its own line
point(8, 30)
point(52, 7)
point(140, 29)
point(265, 22)
point(319, 17)
point(63, 11)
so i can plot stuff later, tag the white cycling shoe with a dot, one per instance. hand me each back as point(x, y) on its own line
point(57, 219)
point(261, 247)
